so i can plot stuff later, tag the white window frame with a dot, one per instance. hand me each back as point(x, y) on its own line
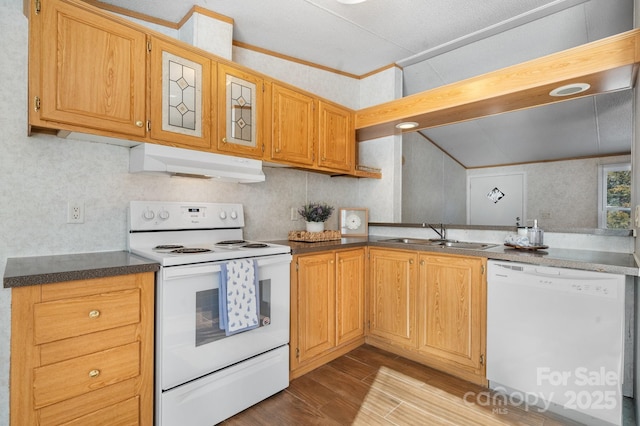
point(603, 171)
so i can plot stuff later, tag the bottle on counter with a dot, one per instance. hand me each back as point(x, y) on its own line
point(536, 235)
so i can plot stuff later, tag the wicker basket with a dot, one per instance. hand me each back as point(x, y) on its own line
point(314, 237)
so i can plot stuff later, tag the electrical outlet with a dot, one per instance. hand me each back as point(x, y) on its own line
point(75, 212)
point(294, 213)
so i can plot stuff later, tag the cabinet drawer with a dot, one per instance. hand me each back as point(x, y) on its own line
point(125, 413)
point(57, 382)
point(62, 319)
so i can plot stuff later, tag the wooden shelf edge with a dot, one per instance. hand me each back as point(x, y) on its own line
point(608, 64)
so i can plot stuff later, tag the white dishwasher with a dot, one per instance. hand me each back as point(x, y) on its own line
point(555, 339)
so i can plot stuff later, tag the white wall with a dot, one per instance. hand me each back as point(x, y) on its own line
point(560, 194)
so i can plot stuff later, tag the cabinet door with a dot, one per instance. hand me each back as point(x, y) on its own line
point(316, 305)
point(336, 137)
point(349, 295)
point(240, 106)
point(392, 300)
point(292, 129)
point(452, 294)
point(92, 71)
point(181, 95)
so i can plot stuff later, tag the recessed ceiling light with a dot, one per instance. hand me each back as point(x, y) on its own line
point(570, 89)
point(350, 1)
point(405, 125)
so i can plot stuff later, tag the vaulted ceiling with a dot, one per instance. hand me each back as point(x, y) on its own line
point(438, 42)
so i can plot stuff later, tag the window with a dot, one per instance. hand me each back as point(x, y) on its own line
point(614, 196)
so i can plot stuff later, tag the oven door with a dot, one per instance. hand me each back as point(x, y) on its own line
point(189, 342)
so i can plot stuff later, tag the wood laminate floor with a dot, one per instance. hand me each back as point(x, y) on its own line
point(369, 386)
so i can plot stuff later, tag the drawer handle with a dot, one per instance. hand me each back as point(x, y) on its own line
point(94, 314)
point(94, 373)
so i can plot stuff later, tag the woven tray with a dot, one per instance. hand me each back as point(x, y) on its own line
point(313, 237)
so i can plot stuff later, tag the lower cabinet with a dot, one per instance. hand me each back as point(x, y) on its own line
point(327, 307)
point(82, 352)
point(430, 308)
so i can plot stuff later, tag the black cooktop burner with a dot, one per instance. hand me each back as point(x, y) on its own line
point(256, 245)
point(230, 242)
point(190, 250)
point(168, 247)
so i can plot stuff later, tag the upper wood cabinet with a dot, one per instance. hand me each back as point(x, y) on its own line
point(392, 296)
point(181, 96)
point(292, 126)
point(336, 137)
point(93, 72)
point(452, 321)
point(87, 70)
point(240, 112)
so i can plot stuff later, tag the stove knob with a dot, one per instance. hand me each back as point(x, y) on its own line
point(223, 215)
point(164, 215)
point(234, 215)
point(148, 214)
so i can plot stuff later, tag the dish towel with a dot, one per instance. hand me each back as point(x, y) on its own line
point(238, 301)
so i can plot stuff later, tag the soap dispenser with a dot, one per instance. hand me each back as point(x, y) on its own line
point(536, 235)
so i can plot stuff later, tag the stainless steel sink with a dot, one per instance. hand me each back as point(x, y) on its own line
point(408, 241)
point(466, 245)
point(441, 243)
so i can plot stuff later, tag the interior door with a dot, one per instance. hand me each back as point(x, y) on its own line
point(496, 199)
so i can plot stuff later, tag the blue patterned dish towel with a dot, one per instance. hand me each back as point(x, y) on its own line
point(238, 301)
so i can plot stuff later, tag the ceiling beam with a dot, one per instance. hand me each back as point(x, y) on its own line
point(607, 65)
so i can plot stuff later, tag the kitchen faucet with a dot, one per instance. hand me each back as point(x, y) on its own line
point(442, 233)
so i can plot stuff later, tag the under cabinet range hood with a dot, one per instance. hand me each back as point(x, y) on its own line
point(160, 159)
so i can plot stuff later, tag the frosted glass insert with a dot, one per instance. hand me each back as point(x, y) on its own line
point(241, 111)
point(181, 95)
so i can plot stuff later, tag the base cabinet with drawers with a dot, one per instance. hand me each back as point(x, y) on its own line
point(327, 307)
point(82, 352)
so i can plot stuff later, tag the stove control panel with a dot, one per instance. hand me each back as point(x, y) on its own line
point(170, 215)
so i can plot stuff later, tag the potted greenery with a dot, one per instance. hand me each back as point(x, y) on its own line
point(315, 214)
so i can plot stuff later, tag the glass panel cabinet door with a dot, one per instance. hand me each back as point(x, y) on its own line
point(239, 109)
point(180, 96)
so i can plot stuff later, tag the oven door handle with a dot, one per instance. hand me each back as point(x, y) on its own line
point(190, 271)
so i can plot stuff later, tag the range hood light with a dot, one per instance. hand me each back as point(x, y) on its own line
point(406, 125)
point(570, 89)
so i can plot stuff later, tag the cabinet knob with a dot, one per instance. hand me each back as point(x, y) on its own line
point(94, 373)
point(224, 140)
point(410, 261)
point(323, 159)
point(422, 262)
point(139, 123)
point(94, 314)
point(277, 150)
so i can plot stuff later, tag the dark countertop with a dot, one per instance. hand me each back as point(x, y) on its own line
point(25, 271)
point(589, 260)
